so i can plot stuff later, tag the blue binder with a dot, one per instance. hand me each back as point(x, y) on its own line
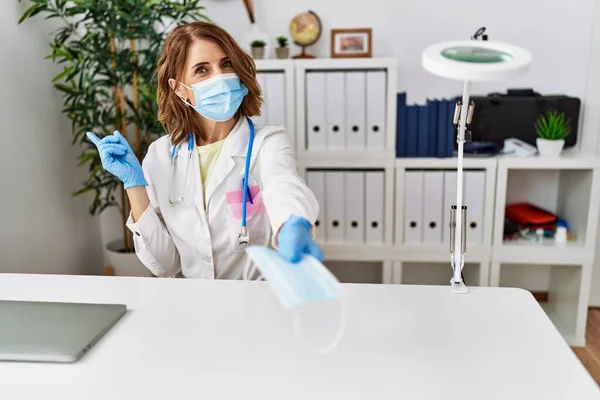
point(412, 124)
point(401, 125)
point(450, 133)
point(423, 131)
point(433, 127)
point(442, 120)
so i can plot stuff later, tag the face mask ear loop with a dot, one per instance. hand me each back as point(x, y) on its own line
point(186, 101)
point(338, 336)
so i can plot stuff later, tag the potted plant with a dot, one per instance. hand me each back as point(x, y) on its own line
point(258, 49)
point(283, 51)
point(551, 129)
point(109, 50)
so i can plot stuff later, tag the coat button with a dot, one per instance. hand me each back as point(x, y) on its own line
point(137, 233)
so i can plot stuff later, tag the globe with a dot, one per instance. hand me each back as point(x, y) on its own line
point(305, 30)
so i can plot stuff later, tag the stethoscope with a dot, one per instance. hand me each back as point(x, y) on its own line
point(243, 238)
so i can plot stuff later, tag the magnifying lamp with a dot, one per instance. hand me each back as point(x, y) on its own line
point(469, 61)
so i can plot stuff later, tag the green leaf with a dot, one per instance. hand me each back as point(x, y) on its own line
point(64, 73)
point(31, 11)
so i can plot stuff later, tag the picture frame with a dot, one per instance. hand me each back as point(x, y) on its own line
point(350, 43)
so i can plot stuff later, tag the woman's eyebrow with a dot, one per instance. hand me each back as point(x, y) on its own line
point(199, 64)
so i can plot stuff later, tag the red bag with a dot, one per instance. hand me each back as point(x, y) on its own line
point(530, 216)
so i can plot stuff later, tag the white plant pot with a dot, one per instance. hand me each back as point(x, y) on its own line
point(124, 264)
point(549, 148)
point(255, 33)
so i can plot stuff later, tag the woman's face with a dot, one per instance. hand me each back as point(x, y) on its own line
point(205, 59)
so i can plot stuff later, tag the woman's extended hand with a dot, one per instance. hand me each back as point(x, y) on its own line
point(294, 240)
point(118, 158)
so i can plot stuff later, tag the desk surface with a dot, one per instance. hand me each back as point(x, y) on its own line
point(202, 339)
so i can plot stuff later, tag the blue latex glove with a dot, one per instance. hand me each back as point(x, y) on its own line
point(294, 240)
point(118, 158)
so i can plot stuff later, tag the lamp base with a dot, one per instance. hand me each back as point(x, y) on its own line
point(458, 287)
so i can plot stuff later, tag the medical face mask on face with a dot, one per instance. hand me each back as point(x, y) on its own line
point(219, 97)
point(299, 283)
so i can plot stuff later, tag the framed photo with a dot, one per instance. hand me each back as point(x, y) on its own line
point(351, 42)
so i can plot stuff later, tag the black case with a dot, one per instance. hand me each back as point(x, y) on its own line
point(500, 116)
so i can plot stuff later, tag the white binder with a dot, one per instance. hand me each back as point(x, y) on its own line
point(275, 95)
point(449, 201)
point(433, 203)
point(355, 207)
point(336, 99)
point(334, 212)
point(316, 182)
point(374, 206)
point(355, 110)
point(474, 200)
point(376, 109)
point(316, 124)
point(413, 207)
point(262, 118)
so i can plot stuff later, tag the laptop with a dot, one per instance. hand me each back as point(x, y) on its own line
point(53, 332)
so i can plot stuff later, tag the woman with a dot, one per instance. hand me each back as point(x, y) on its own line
point(193, 225)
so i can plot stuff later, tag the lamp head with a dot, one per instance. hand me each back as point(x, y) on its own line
point(476, 60)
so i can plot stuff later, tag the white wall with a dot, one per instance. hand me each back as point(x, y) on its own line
point(557, 32)
point(42, 228)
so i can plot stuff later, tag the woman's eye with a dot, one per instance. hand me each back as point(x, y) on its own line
point(227, 64)
point(201, 70)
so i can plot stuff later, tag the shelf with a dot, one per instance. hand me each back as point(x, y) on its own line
point(543, 252)
point(346, 159)
point(273, 64)
point(355, 252)
point(410, 253)
point(439, 253)
point(346, 63)
point(569, 159)
point(445, 163)
point(567, 190)
point(416, 273)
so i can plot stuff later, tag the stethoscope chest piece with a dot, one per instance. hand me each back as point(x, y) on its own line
point(243, 237)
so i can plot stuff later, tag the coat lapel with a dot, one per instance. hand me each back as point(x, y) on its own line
point(193, 184)
point(196, 178)
point(235, 145)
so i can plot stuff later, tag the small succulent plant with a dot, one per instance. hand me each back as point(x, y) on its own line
point(282, 40)
point(552, 126)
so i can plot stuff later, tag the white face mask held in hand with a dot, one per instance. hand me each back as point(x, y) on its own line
point(295, 284)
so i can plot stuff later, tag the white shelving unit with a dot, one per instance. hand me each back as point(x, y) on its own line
point(276, 78)
point(437, 249)
point(568, 185)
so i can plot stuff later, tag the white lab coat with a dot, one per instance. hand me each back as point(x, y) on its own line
point(204, 244)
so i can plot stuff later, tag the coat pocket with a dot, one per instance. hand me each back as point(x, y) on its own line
point(257, 220)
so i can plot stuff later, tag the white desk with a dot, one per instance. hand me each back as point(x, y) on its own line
point(195, 339)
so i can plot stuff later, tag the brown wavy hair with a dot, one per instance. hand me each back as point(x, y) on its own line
point(179, 118)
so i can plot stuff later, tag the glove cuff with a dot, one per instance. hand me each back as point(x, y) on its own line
point(299, 221)
point(138, 182)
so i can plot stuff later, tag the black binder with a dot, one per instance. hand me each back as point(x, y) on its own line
point(499, 116)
